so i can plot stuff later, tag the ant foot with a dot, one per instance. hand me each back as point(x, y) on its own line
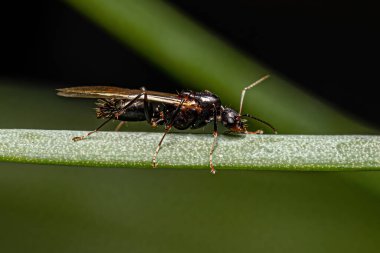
point(78, 138)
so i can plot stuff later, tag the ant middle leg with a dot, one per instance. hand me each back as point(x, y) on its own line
point(167, 129)
point(120, 125)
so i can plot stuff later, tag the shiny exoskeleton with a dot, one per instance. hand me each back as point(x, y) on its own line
point(187, 109)
point(200, 113)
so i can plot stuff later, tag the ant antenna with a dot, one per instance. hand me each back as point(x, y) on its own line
point(247, 88)
point(260, 120)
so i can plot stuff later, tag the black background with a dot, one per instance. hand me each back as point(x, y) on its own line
point(329, 48)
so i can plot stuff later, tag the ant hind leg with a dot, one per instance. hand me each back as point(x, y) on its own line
point(79, 138)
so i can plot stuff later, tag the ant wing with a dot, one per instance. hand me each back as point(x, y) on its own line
point(117, 93)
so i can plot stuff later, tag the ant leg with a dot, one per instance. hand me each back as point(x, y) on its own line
point(147, 108)
point(154, 124)
point(122, 123)
point(215, 133)
point(167, 129)
point(116, 115)
point(255, 132)
point(154, 160)
point(79, 138)
point(247, 88)
point(128, 105)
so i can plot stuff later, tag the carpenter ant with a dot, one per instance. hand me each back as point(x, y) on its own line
point(187, 109)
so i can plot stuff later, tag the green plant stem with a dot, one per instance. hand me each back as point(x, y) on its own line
point(135, 149)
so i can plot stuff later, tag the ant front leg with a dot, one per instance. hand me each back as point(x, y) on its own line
point(167, 129)
point(255, 132)
point(215, 134)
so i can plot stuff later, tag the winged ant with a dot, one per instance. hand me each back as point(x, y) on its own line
point(187, 109)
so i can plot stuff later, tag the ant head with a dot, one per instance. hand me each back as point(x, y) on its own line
point(232, 120)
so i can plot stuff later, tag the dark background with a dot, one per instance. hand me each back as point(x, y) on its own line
point(327, 47)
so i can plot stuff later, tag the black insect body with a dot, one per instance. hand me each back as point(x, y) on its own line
point(185, 110)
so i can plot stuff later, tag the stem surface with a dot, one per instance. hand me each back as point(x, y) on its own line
point(135, 149)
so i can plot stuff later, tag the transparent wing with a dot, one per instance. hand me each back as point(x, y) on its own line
point(116, 92)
